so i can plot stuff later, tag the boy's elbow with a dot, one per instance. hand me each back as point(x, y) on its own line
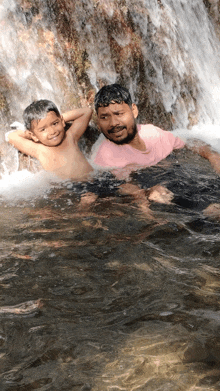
point(14, 138)
point(10, 140)
point(8, 137)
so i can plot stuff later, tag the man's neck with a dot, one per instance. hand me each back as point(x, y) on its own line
point(138, 143)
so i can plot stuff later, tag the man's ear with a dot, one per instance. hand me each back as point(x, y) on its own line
point(134, 110)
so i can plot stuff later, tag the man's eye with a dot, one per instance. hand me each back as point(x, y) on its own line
point(55, 123)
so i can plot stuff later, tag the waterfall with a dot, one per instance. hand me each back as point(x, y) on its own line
point(165, 51)
point(27, 59)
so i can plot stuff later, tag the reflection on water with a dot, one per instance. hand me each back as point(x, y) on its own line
point(104, 297)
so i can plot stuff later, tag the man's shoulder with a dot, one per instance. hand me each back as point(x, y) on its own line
point(149, 130)
point(105, 153)
point(103, 144)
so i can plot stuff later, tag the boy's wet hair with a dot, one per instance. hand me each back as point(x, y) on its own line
point(38, 110)
point(112, 93)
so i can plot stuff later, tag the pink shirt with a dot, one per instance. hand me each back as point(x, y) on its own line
point(159, 144)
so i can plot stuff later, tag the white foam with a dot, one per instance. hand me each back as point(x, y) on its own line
point(208, 133)
point(25, 185)
point(17, 125)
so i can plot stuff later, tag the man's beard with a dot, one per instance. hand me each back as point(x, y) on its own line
point(127, 139)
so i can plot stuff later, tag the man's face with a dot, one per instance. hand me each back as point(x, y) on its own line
point(117, 122)
point(49, 130)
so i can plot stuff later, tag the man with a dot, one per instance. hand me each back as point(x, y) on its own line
point(129, 144)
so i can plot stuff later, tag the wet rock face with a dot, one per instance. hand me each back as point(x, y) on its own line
point(65, 51)
point(213, 7)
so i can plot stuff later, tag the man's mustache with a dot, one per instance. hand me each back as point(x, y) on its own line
point(116, 129)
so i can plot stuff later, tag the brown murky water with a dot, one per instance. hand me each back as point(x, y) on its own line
point(106, 297)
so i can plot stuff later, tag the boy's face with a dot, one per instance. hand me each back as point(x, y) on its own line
point(48, 131)
point(117, 122)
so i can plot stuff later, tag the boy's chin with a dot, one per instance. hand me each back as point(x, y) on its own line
point(55, 143)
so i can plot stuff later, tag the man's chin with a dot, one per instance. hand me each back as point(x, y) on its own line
point(122, 142)
point(125, 140)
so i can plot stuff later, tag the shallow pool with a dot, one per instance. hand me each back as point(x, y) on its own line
point(107, 296)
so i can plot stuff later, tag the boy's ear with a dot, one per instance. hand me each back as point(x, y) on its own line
point(31, 136)
point(134, 110)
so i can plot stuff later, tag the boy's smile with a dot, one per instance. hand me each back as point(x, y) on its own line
point(48, 131)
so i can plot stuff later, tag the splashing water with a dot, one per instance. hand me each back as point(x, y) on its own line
point(25, 186)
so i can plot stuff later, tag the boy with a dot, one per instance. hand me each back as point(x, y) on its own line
point(47, 140)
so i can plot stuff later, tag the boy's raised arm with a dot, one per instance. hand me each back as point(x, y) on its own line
point(21, 140)
point(80, 118)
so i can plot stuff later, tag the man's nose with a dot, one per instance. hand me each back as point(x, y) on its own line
point(114, 121)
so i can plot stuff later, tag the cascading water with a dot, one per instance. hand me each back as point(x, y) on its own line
point(165, 52)
point(27, 59)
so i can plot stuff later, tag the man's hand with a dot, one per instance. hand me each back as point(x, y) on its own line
point(160, 194)
point(206, 151)
point(156, 193)
point(212, 211)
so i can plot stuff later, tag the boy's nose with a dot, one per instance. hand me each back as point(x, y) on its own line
point(51, 130)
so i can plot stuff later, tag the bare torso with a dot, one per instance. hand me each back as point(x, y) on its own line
point(65, 160)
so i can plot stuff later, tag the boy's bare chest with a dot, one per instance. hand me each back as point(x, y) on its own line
point(52, 158)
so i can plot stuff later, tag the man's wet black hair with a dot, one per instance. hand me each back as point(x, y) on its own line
point(113, 93)
point(38, 110)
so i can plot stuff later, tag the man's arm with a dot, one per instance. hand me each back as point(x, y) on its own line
point(21, 140)
point(206, 151)
point(80, 118)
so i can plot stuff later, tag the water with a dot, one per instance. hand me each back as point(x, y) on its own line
point(110, 295)
point(106, 293)
point(166, 52)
